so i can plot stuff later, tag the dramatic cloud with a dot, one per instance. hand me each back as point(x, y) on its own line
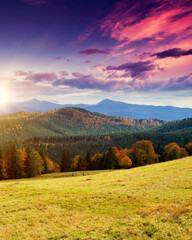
point(20, 73)
point(35, 2)
point(149, 23)
point(174, 52)
point(136, 69)
point(184, 82)
point(41, 77)
point(92, 51)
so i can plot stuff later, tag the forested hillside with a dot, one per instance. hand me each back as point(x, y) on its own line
point(66, 122)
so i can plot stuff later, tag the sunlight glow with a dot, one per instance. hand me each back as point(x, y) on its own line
point(3, 96)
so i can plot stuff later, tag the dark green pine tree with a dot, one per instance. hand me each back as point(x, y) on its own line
point(43, 155)
point(28, 151)
point(31, 169)
point(13, 167)
point(66, 161)
point(81, 165)
point(88, 159)
point(1, 164)
point(109, 160)
point(185, 141)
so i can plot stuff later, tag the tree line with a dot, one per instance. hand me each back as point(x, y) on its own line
point(141, 153)
point(24, 163)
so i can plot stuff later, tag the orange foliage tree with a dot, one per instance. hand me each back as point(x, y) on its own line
point(123, 159)
point(142, 153)
point(173, 151)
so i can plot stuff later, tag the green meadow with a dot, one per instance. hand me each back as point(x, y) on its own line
point(150, 202)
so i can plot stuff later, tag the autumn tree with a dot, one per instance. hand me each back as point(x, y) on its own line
point(123, 159)
point(142, 153)
point(172, 151)
point(3, 166)
point(21, 156)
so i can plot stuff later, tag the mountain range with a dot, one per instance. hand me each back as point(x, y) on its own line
point(107, 107)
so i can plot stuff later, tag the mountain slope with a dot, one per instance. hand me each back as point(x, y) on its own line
point(66, 122)
point(107, 107)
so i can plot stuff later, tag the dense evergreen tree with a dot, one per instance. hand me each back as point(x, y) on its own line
point(43, 155)
point(109, 159)
point(188, 147)
point(3, 166)
point(81, 164)
point(88, 159)
point(66, 161)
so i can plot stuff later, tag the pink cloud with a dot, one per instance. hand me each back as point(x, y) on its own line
point(59, 58)
point(20, 73)
point(78, 74)
point(41, 77)
point(92, 51)
point(150, 23)
point(63, 73)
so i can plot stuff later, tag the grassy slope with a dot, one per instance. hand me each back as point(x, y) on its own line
point(148, 202)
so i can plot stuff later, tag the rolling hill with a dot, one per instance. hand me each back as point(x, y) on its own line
point(66, 122)
point(150, 202)
point(107, 107)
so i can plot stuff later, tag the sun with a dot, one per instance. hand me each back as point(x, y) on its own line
point(3, 96)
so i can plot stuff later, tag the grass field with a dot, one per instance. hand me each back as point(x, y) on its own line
point(151, 202)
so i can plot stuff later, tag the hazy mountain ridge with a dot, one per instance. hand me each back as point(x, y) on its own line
point(107, 107)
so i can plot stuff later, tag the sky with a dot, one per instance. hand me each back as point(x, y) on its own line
point(83, 51)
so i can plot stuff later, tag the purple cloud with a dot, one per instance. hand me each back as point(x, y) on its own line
point(20, 73)
point(149, 23)
point(90, 82)
point(59, 58)
point(184, 82)
point(92, 51)
point(180, 15)
point(87, 61)
point(41, 77)
point(35, 2)
point(136, 69)
point(63, 73)
point(174, 52)
point(78, 74)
